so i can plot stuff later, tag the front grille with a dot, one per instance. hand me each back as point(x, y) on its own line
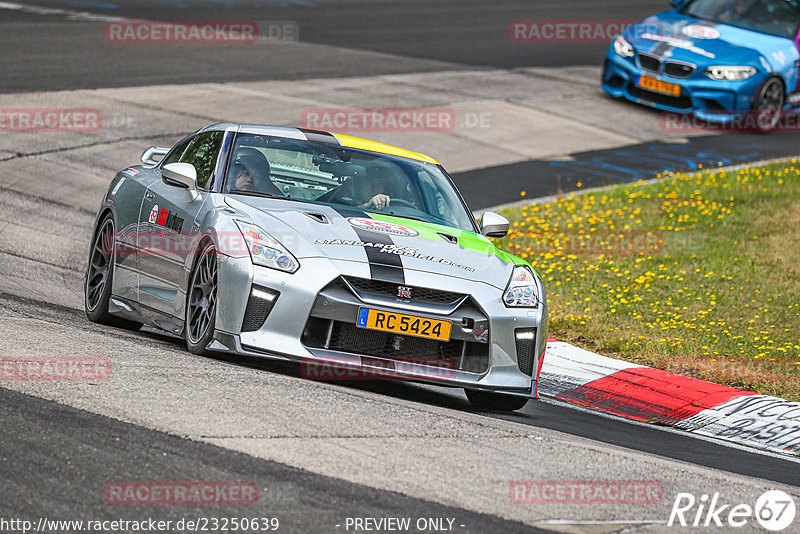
point(347, 337)
point(678, 102)
point(258, 309)
point(526, 341)
point(332, 326)
point(379, 288)
point(678, 70)
point(649, 62)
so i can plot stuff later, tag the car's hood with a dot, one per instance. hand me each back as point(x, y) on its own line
point(686, 38)
point(310, 230)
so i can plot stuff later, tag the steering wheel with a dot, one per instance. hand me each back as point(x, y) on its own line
point(336, 196)
point(401, 202)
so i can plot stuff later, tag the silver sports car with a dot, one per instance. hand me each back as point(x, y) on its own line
point(333, 251)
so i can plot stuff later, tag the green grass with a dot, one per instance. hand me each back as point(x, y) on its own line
point(698, 274)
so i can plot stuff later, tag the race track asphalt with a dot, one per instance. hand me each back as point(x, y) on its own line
point(358, 38)
point(320, 452)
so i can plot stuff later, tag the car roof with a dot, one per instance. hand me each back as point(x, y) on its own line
point(320, 136)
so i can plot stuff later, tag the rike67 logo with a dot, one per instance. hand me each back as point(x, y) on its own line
point(774, 511)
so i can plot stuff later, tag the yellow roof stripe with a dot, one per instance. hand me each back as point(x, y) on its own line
point(374, 146)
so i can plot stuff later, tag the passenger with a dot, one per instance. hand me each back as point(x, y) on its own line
point(252, 174)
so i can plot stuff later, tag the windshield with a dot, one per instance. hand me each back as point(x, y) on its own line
point(319, 173)
point(775, 17)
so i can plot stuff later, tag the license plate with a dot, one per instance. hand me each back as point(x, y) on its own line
point(652, 84)
point(403, 324)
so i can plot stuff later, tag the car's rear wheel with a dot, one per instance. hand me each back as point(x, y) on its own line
point(201, 301)
point(498, 402)
point(100, 275)
point(768, 105)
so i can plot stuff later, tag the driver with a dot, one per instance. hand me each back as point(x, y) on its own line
point(736, 11)
point(370, 190)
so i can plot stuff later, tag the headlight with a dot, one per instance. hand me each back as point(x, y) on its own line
point(522, 290)
point(265, 250)
point(730, 73)
point(623, 47)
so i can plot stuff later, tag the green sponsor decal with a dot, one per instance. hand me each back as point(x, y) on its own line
point(468, 240)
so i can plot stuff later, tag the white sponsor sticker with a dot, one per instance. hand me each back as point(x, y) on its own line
point(116, 187)
point(700, 31)
point(153, 214)
point(382, 227)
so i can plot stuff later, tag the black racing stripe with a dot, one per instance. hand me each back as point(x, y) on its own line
point(382, 265)
point(319, 136)
point(661, 49)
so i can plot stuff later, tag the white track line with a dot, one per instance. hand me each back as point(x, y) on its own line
point(604, 188)
point(51, 11)
point(733, 445)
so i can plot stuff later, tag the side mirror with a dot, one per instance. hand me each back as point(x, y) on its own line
point(181, 175)
point(494, 225)
point(152, 152)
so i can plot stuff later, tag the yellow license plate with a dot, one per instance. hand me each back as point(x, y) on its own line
point(403, 324)
point(651, 84)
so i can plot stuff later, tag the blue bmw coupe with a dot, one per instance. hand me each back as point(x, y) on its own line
point(721, 60)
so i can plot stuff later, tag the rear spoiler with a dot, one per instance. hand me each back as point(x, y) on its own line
point(151, 152)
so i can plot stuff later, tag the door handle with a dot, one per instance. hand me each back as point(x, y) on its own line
point(149, 196)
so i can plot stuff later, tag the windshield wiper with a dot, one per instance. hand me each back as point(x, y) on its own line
point(393, 214)
point(263, 195)
point(447, 223)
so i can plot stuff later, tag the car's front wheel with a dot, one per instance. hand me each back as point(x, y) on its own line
point(100, 275)
point(497, 402)
point(768, 105)
point(201, 301)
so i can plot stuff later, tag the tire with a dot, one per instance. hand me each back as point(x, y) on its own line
point(99, 277)
point(201, 301)
point(496, 402)
point(768, 105)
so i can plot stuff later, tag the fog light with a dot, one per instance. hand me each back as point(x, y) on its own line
point(526, 341)
point(259, 305)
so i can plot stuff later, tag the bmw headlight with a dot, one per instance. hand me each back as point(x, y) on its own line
point(731, 73)
point(265, 250)
point(623, 47)
point(522, 290)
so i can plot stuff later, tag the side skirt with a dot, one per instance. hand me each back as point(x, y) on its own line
point(134, 311)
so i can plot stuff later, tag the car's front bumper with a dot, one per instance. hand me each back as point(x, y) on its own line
point(709, 100)
point(311, 302)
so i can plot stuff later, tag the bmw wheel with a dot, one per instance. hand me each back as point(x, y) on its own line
point(498, 402)
point(201, 301)
point(768, 105)
point(100, 275)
